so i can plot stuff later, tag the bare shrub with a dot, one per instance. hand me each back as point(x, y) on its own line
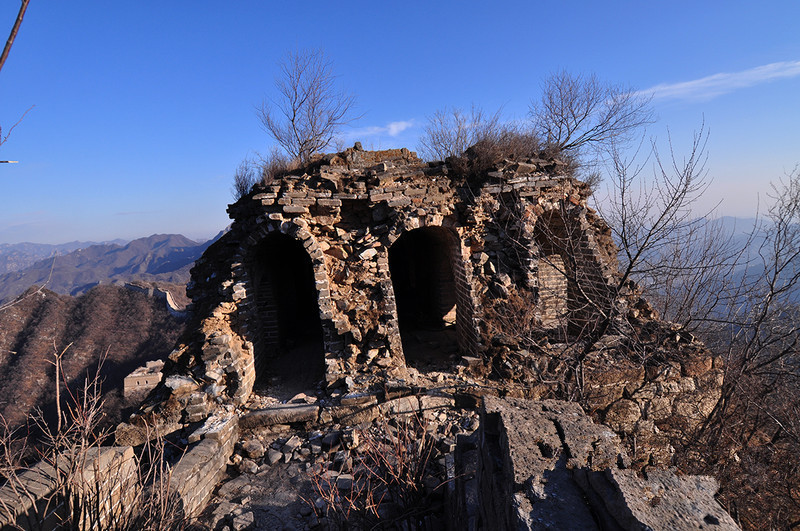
point(751, 440)
point(390, 463)
point(449, 132)
point(275, 165)
point(310, 110)
point(130, 494)
point(245, 176)
point(481, 157)
point(472, 142)
point(266, 170)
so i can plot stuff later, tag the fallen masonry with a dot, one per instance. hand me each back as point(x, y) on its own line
point(521, 464)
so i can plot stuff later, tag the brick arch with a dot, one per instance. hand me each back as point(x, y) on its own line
point(246, 255)
point(458, 279)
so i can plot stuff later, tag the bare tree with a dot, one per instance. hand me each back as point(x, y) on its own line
point(309, 110)
point(578, 112)
point(449, 132)
point(751, 439)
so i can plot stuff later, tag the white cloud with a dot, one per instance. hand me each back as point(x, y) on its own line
point(395, 128)
point(391, 129)
point(715, 85)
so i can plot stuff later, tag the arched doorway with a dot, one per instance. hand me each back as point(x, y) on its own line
point(432, 295)
point(289, 347)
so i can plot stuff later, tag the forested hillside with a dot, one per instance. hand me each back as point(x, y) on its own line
point(123, 327)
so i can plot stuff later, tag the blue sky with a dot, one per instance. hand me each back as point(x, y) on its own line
point(144, 109)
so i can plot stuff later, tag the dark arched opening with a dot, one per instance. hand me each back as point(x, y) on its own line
point(432, 296)
point(289, 349)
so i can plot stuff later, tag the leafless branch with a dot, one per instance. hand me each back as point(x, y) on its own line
point(576, 112)
point(14, 31)
point(3, 138)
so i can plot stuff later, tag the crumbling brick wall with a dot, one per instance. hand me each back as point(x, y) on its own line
point(345, 269)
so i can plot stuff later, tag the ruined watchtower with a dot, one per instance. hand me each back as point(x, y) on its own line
point(366, 262)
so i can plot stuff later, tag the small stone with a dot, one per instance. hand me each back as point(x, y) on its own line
point(273, 456)
point(253, 448)
point(367, 254)
point(344, 481)
point(292, 444)
point(350, 439)
point(248, 466)
point(331, 440)
point(243, 521)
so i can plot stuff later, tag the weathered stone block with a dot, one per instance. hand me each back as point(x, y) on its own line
point(284, 414)
point(622, 415)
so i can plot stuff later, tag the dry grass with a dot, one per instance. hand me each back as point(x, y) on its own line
point(85, 490)
point(387, 484)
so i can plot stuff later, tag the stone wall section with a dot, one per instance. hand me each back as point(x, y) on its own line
point(204, 464)
point(546, 465)
point(33, 500)
point(159, 293)
point(107, 479)
point(656, 402)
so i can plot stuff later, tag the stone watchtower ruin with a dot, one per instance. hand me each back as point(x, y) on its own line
point(367, 262)
point(393, 288)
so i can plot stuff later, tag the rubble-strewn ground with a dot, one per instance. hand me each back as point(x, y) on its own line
point(282, 476)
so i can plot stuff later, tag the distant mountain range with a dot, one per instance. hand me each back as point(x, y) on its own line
point(74, 268)
point(18, 256)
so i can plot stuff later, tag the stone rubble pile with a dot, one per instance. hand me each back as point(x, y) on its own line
point(333, 458)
